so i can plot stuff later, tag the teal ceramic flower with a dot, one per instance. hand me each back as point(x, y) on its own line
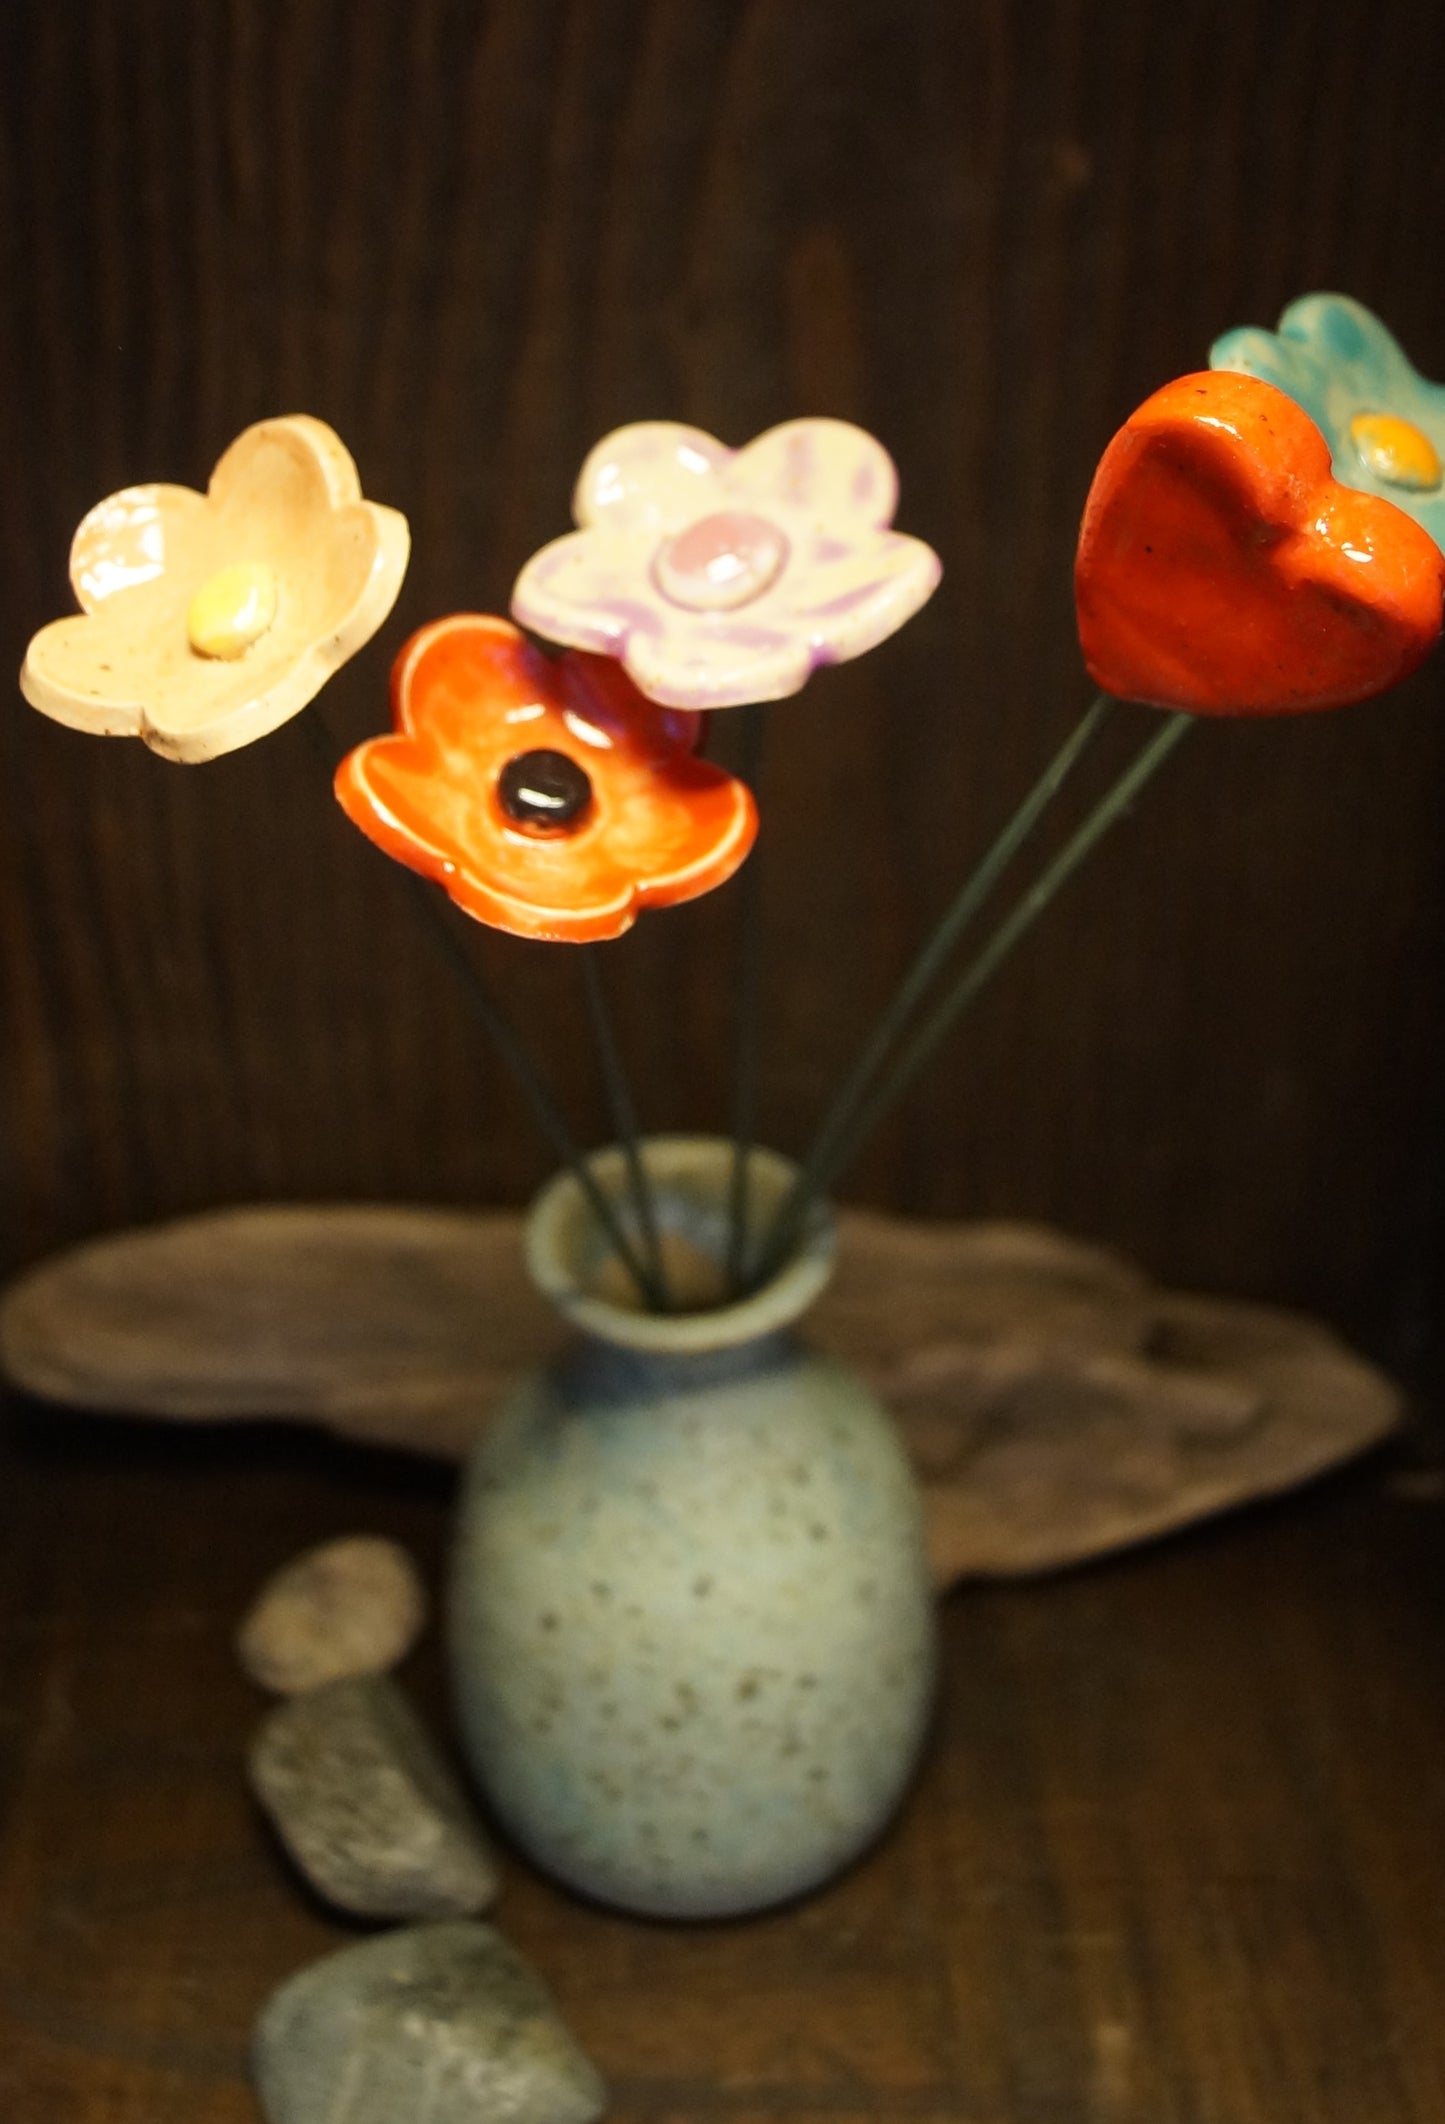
point(1384, 423)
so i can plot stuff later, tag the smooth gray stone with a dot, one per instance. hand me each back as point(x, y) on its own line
point(438, 2024)
point(366, 1807)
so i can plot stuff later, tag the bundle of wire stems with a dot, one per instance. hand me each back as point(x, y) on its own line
point(937, 989)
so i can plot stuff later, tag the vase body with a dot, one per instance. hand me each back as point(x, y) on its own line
point(692, 1623)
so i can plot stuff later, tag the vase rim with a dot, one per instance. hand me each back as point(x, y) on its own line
point(568, 1250)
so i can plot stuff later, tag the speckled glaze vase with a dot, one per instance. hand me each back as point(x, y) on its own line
point(692, 1623)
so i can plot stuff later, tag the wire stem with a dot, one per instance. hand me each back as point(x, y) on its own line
point(745, 1029)
point(972, 981)
point(546, 1111)
point(968, 901)
point(624, 1115)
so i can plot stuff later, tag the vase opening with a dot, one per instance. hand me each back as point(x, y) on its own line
point(575, 1265)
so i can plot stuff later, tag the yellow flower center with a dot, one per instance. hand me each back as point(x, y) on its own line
point(232, 610)
point(1395, 451)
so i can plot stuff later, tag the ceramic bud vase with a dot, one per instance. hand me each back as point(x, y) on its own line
point(692, 1622)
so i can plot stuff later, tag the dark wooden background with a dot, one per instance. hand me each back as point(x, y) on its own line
point(474, 237)
point(1175, 1855)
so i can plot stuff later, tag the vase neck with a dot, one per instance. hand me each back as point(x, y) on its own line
point(593, 1370)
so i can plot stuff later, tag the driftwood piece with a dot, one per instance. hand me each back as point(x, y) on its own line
point(393, 1324)
point(1057, 1405)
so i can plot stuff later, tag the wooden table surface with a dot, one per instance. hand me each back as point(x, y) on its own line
point(1176, 1856)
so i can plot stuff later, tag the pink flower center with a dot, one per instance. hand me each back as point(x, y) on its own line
point(720, 561)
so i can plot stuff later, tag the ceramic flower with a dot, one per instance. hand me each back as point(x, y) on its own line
point(209, 619)
point(549, 797)
point(1223, 570)
point(725, 576)
point(1385, 424)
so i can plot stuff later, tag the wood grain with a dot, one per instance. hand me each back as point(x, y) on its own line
point(1171, 1860)
point(473, 236)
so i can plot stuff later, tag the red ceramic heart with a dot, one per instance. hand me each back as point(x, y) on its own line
point(1223, 570)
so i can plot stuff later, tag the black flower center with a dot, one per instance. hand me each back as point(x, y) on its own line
point(544, 789)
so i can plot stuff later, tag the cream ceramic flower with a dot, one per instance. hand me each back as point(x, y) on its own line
point(725, 576)
point(209, 619)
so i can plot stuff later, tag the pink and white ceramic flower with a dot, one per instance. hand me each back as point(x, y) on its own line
point(724, 576)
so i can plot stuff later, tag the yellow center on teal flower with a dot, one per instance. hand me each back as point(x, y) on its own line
point(1396, 451)
point(231, 610)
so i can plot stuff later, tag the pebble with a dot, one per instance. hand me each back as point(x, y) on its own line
point(436, 2024)
point(354, 1606)
point(366, 1807)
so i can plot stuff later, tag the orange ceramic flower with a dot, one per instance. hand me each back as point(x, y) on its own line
point(1222, 569)
point(550, 798)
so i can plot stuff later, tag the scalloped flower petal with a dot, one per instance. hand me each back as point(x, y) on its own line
point(129, 538)
point(833, 471)
point(284, 500)
point(648, 476)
